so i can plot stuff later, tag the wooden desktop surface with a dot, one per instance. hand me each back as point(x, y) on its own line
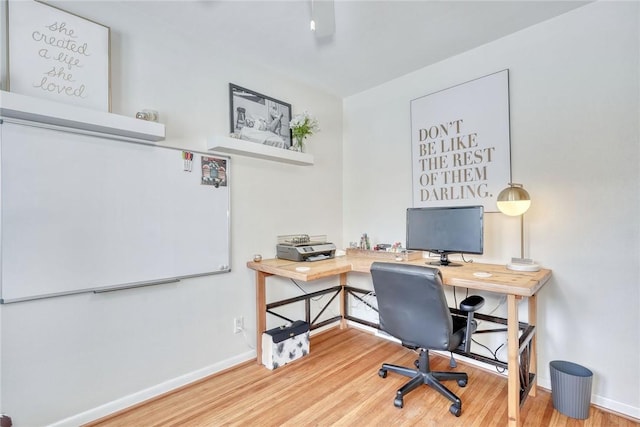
point(501, 281)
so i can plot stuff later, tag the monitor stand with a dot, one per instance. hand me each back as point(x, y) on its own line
point(444, 262)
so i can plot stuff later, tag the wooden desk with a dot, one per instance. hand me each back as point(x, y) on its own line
point(515, 285)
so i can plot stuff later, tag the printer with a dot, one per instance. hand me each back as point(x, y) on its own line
point(301, 248)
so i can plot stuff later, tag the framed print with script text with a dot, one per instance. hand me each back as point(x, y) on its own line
point(57, 55)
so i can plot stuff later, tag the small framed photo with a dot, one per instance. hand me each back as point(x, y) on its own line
point(259, 118)
point(57, 55)
point(214, 171)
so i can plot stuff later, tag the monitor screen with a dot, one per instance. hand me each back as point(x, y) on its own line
point(445, 230)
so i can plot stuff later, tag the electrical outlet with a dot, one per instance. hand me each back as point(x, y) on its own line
point(238, 324)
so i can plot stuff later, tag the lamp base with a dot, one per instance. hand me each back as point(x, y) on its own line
point(523, 264)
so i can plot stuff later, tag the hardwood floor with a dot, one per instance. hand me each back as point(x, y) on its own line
point(337, 385)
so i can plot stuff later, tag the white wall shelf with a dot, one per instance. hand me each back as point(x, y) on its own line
point(51, 113)
point(228, 145)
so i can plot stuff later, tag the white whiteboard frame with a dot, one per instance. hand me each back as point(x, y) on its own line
point(477, 112)
point(4, 46)
point(56, 55)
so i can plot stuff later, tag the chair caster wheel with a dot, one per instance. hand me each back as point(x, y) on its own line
point(455, 410)
point(382, 373)
point(462, 383)
point(398, 402)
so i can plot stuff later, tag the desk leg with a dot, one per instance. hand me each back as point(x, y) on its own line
point(261, 312)
point(513, 380)
point(533, 362)
point(343, 302)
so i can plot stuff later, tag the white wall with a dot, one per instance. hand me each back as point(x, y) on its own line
point(574, 85)
point(575, 146)
point(66, 357)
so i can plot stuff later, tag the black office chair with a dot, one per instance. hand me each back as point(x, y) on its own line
point(413, 308)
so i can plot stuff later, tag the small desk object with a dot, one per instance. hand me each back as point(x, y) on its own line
point(522, 356)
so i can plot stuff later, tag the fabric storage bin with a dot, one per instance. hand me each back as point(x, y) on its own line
point(285, 344)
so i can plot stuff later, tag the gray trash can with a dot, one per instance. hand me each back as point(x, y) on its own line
point(571, 388)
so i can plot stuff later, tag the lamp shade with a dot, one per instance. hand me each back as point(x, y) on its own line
point(513, 200)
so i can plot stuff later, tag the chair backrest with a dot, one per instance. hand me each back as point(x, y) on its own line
point(412, 305)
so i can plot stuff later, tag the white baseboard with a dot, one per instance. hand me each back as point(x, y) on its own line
point(356, 325)
point(617, 407)
point(151, 392)
point(602, 402)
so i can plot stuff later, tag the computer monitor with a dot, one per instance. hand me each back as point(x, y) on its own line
point(445, 230)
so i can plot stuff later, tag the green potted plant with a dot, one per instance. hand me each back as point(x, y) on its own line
point(302, 125)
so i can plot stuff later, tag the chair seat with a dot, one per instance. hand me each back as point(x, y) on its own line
point(457, 337)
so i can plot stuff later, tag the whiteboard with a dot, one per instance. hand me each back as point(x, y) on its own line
point(82, 213)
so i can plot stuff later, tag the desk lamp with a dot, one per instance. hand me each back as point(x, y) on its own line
point(514, 201)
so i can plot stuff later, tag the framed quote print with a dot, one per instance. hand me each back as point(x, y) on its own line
point(460, 143)
point(57, 55)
